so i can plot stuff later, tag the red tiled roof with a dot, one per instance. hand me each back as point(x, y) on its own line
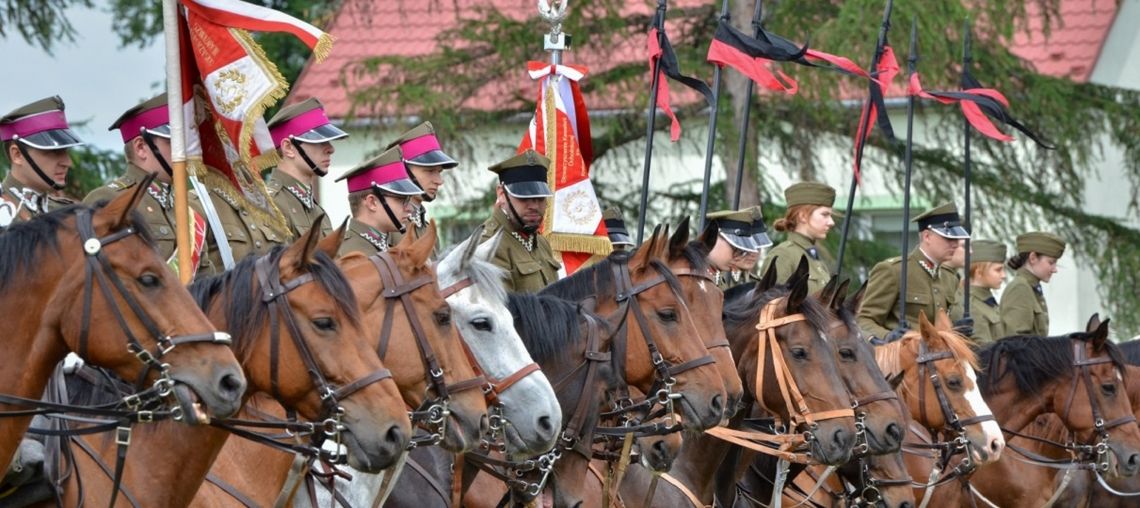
point(370, 28)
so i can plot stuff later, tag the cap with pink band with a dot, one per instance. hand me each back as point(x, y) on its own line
point(298, 125)
point(150, 119)
point(33, 124)
point(379, 175)
point(416, 147)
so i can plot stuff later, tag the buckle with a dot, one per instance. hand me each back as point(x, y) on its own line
point(123, 436)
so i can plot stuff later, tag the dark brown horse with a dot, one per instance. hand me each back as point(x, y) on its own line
point(89, 280)
point(298, 334)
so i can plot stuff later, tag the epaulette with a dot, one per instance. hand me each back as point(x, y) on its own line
point(120, 183)
point(895, 260)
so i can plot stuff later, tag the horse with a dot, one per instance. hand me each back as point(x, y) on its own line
point(1098, 495)
point(472, 286)
point(1027, 376)
point(661, 351)
point(325, 371)
point(88, 280)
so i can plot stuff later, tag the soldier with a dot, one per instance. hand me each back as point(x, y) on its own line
point(1023, 308)
point(425, 161)
point(248, 229)
point(521, 200)
point(740, 236)
point(807, 222)
point(380, 197)
point(36, 140)
point(303, 136)
point(987, 273)
point(615, 228)
point(929, 288)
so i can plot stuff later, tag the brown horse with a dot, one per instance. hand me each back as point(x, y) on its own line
point(299, 337)
point(260, 472)
point(89, 280)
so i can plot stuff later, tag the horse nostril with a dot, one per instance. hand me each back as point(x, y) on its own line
point(232, 385)
point(841, 438)
point(1133, 461)
point(894, 432)
point(545, 426)
point(717, 404)
point(395, 437)
point(660, 449)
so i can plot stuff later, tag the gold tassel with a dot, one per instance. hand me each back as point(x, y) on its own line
point(324, 47)
point(565, 242)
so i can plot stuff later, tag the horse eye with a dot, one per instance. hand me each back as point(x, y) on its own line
point(954, 383)
point(799, 353)
point(1108, 389)
point(847, 354)
point(442, 317)
point(667, 315)
point(325, 324)
point(149, 280)
point(482, 324)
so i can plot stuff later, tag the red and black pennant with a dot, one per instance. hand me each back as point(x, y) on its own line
point(661, 51)
point(979, 105)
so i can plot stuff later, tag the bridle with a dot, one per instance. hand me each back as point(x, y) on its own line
point(433, 412)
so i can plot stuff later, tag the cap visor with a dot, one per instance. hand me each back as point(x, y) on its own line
point(620, 239)
point(321, 134)
point(528, 190)
point(762, 240)
point(162, 131)
point(744, 243)
point(53, 140)
point(956, 232)
point(402, 187)
point(434, 158)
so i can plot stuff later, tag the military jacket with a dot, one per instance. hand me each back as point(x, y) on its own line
point(987, 320)
point(419, 221)
point(362, 238)
point(957, 306)
point(1023, 308)
point(929, 289)
point(730, 279)
point(295, 199)
point(19, 203)
point(246, 233)
point(529, 270)
point(156, 206)
point(787, 257)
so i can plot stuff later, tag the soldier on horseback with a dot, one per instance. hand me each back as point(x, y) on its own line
point(36, 138)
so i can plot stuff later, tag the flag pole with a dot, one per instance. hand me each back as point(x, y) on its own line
point(757, 12)
point(659, 22)
point(710, 145)
point(863, 120)
point(912, 65)
point(967, 59)
point(177, 140)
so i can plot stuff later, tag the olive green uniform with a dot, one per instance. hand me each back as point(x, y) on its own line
point(529, 270)
point(26, 203)
point(987, 320)
point(247, 233)
point(362, 238)
point(296, 201)
point(929, 289)
point(787, 256)
point(156, 206)
point(1023, 308)
point(957, 307)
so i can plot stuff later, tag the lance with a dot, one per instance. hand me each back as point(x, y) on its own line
point(713, 111)
point(863, 120)
point(177, 140)
point(757, 12)
point(911, 66)
point(966, 61)
point(659, 22)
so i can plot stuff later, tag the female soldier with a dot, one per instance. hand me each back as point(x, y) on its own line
point(987, 273)
point(807, 221)
point(1023, 309)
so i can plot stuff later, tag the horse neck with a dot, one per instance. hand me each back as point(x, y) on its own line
point(1013, 409)
point(698, 463)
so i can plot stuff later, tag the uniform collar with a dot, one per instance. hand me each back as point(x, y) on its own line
point(984, 294)
point(369, 234)
point(419, 216)
point(528, 242)
point(807, 244)
point(1033, 281)
point(25, 197)
point(303, 191)
point(157, 190)
point(924, 261)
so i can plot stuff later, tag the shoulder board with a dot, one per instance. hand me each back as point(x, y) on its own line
point(894, 261)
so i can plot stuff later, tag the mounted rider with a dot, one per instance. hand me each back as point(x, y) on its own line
point(36, 139)
point(521, 200)
point(303, 137)
point(380, 197)
point(425, 160)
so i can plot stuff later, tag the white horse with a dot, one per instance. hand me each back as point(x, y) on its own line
point(531, 416)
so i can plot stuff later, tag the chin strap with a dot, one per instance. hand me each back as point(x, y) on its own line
point(425, 198)
point(388, 210)
point(305, 157)
point(36, 167)
point(529, 230)
point(149, 139)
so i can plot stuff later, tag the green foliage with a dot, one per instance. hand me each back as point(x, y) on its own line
point(40, 23)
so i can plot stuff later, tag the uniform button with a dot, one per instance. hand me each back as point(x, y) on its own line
point(257, 244)
point(164, 230)
point(243, 212)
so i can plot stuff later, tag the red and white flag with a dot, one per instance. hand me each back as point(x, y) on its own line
point(560, 130)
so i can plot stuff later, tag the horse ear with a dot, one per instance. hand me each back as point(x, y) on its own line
point(408, 238)
point(119, 209)
point(331, 244)
point(644, 252)
point(800, 273)
point(927, 328)
point(857, 300)
point(840, 294)
point(769, 280)
point(797, 296)
point(302, 252)
point(661, 246)
point(942, 320)
point(1100, 336)
point(420, 249)
point(827, 294)
point(708, 236)
point(1094, 323)
point(896, 380)
point(679, 240)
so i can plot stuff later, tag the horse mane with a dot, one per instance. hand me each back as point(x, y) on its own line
point(741, 314)
point(245, 312)
point(888, 355)
point(697, 255)
point(547, 324)
point(484, 274)
point(597, 280)
point(1130, 351)
point(1033, 361)
point(22, 244)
